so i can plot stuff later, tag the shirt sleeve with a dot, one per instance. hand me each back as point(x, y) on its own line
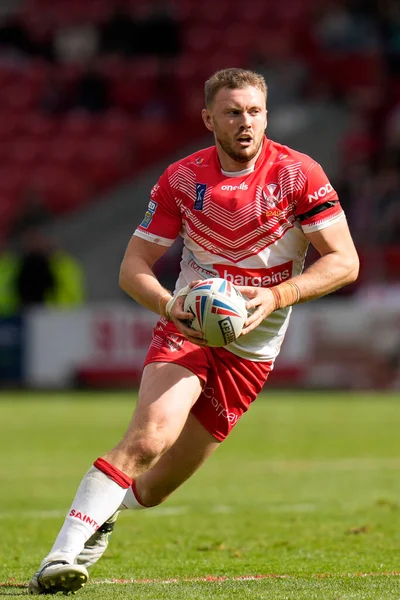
point(162, 221)
point(318, 204)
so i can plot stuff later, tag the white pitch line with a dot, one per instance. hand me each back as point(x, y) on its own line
point(222, 578)
point(165, 511)
point(219, 579)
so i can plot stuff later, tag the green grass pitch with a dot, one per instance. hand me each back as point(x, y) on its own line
point(301, 502)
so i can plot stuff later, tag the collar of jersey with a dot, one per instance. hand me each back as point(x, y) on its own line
point(263, 154)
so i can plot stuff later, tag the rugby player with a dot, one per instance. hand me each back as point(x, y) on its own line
point(247, 209)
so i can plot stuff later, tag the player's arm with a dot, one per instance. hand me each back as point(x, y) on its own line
point(337, 266)
point(138, 280)
point(136, 275)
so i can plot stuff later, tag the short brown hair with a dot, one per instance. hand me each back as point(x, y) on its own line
point(233, 79)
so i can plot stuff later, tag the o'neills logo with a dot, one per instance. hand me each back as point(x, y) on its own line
point(233, 188)
point(256, 277)
point(85, 518)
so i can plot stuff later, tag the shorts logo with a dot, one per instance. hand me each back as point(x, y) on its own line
point(220, 408)
point(148, 217)
point(174, 342)
point(200, 193)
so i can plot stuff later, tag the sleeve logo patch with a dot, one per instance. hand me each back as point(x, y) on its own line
point(200, 193)
point(149, 214)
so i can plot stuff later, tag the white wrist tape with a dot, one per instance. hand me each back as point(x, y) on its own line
point(168, 307)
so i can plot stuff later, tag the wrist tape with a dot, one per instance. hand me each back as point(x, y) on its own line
point(285, 294)
point(166, 302)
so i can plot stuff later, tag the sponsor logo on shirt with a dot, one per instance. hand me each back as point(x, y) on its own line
point(256, 277)
point(321, 193)
point(232, 188)
point(200, 193)
point(149, 214)
point(203, 271)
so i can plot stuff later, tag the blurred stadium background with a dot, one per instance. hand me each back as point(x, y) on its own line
point(98, 97)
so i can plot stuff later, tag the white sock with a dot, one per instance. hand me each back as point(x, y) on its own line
point(131, 500)
point(97, 498)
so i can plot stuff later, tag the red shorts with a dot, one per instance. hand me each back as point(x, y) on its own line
point(230, 383)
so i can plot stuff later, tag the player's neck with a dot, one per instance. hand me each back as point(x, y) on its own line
point(231, 167)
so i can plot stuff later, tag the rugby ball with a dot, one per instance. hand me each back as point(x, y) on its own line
point(218, 309)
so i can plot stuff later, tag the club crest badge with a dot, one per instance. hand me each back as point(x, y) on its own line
point(272, 194)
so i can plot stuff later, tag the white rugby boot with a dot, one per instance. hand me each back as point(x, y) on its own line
point(97, 543)
point(58, 576)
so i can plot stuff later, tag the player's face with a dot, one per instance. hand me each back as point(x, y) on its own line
point(238, 119)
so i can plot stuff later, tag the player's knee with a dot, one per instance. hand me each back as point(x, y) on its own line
point(147, 450)
point(151, 497)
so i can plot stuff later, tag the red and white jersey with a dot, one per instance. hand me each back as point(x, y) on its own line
point(247, 227)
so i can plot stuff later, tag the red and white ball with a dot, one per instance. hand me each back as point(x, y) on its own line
point(218, 309)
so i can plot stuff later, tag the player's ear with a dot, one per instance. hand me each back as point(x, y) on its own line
point(207, 119)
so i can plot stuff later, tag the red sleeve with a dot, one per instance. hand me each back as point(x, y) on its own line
point(162, 220)
point(317, 204)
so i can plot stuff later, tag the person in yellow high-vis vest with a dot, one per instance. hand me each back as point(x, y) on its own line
point(9, 264)
point(69, 281)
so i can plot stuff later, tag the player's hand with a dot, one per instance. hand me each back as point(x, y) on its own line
point(181, 319)
point(261, 303)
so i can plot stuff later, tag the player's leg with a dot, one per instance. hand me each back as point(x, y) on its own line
point(231, 387)
point(166, 395)
point(185, 457)
point(194, 445)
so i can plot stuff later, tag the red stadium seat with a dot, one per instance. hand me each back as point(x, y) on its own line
point(10, 126)
point(26, 153)
point(64, 152)
point(9, 208)
point(40, 127)
point(114, 126)
point(62, 192)
point(12, 180)
point(201, 39)
point(104, 162)
point(78, 126)
point(19, 97)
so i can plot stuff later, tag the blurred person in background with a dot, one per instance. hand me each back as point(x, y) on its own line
point(91, 91)
point(76, 42)
point(9, 263)
point(35, 280)
point(274, 201)
point(69, 290)
point(46, 275)
point(151, 29)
